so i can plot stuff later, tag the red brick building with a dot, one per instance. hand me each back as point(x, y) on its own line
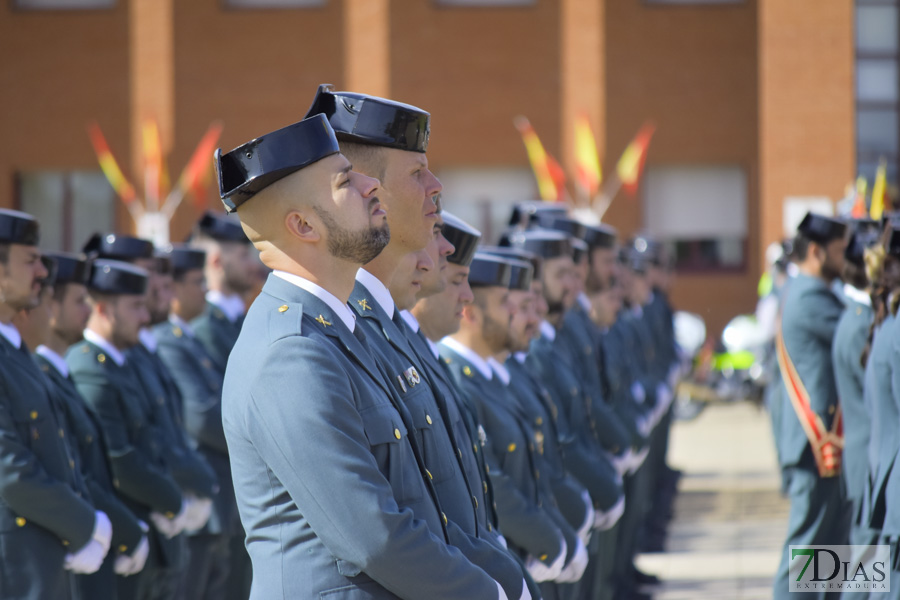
point(756, 103)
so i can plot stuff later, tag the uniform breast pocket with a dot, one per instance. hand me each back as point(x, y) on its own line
point(387, 440)
point(35, 426)
point(438, 451)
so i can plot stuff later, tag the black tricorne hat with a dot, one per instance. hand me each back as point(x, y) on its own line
point(536, 261)
point(579, 250)
point(521, 274)
point(488, 270)
point(546, 244)
point(372, 120)
point(821, 229)
point(70, 268)
point(257, 164)
point(184, 258)
point(464, 238)
point(117, 277)
point(221, 228)
point(117, 247)
point(527, 214)
point(17, 227)
point(864, 233)
point(50, 264)
point(599, 236)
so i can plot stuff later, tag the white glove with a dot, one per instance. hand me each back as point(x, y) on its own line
point(622, 463)
point(102, 530)
point(197, 513)
point(541, 572)
point(606, 519)
point(575, 569)
point(171, 527)
point(526, 595)
point(129, 565)
point(638, 392)
point(87, 560)
point(584, 532)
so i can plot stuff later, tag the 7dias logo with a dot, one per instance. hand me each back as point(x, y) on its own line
point(836, 568)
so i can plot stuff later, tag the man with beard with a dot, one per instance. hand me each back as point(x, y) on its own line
point(329, 481)
point(49, 531)
point(526, 514)
point(57, 324)
point(193, 474)
point(230, 266)
point(127, 416)
point(812, 435)
point(388, 140)
point(199, 385)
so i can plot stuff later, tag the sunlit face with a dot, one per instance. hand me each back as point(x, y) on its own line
point(605, 306)
point(602, 266)
point(497, 312)
point(20, 278)
point(523, 325)
point(440, 314)
point(407, 279)
point(190, 293)
point(438, 250)
point(409, 189)
point(833, 264)
point(34, 323)
point(69, 316)
point(559, 284)
point(354, 224)
point(128, 314)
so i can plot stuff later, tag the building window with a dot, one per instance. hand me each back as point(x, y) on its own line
point(877, 86)
point(63, 4)
point(700, 213)
point(69, 205)
point(261, 4)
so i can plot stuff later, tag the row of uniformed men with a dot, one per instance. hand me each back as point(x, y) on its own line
point(409, 416)
point(836, 400)
point(115, 480)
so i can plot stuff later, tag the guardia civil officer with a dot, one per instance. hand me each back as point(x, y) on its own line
point(330, 486)
point(850, 339)
point(199, 383)
point(230, 263)
point(50, 529)
point(527, 516)
point(811, 420)
point(388, 140)
point(127, 417)
point(58, 323)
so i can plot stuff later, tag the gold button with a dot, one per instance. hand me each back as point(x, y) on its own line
point(831, 409)
point(543, 557)
point(65, 542)
point(123, 548)
point(34, 415)
point(283, 308)
point(176, 331)
point(170, 515)
point(511, 448)
point(101, 358)
point(428, 419)
point(475, 448)
point(71, 464)
point(484, 483)
point(447, 361)
point(490, 528)
point(397, 433)
point(20, 521)
point(487, 468)
point(62, 433)
point(539, 421)
point(444, 517)
point(475, 500)
point(467, 371)
point(429, 474)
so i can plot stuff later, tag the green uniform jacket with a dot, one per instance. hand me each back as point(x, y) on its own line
point(44, 506)
point(216, 333)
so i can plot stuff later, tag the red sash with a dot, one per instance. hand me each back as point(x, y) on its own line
point(826, 445)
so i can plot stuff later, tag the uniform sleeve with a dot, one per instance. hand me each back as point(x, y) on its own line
point(303, 422)
point(202, 406)
point(126, 531)
point(31, 492)
point(138, 478)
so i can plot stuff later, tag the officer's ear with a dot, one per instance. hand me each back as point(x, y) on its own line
point(302, 227)
point(471, 313)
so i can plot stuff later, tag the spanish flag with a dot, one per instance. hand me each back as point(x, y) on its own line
point(587, 162)
point(196, 174)
point(551, 178)
point(631, 164)
point(109, 166)
point(876, 208)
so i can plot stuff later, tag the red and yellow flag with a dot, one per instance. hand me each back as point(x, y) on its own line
point(877, 207)
point(631, 164)
point(109, 166)
point(196, 174)
point(587, 162)
point(551, 179)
